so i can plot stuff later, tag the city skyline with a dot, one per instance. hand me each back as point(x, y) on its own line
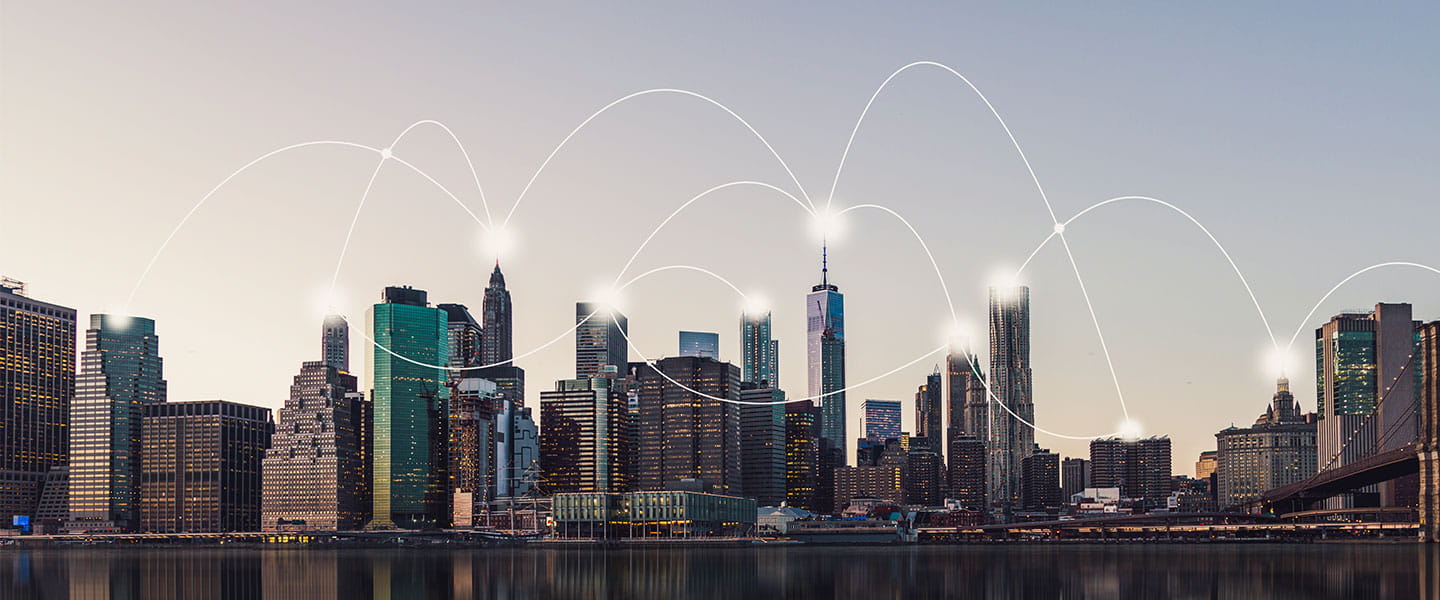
point(1071, 384)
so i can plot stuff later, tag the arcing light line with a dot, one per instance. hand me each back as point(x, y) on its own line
point(682, 268)
point(489, 219)
point(996, 399)
point(944, 288)
point(607, 107)
point(687, 204)
point(1098, 333)
point(1013, 142)
point(1344, 281)
point(412, 361)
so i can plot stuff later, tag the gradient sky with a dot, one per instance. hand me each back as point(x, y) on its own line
point(1303, 135)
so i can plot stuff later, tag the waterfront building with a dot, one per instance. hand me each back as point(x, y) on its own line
point(867, 481)
point(1140, 467)
point(497, 314)
point(762, 444)
point(802, 454)
point(411, 411)
point(1040, 481)
point(1074, 476)
point(335, 342)
point(464, 337)
point(1009, 440)
point(686, 435)
point(37, 384)
point(471, 458)
point(760, 353)
point(314, 472)
point(930, 412)
point(703, 344)
point(583, 442)
point(653, 514)
point(1279, 449)
point(201, 466)
point(600, 342)
point(825, 356)
point(882, 419)
point(121, 373)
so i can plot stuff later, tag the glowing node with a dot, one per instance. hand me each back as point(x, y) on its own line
point(1130, 429)
point(386, 153)
point(1279, 363)
point(756, 304)
point(958, 335)
point(1059, 228)
point(1004, 279)
point(827, 224)
point(606, 299)
point(498, 242)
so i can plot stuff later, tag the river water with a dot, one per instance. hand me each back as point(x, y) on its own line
point(1309, 571)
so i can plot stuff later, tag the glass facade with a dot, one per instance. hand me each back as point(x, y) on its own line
point(600, 340)
point(700, 343)
point(37, 382)
point(882, 419)
point(411, 409)
point(760, 353)
point(825, 354)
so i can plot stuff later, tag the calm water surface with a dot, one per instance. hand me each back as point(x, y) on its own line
point(1378, 571)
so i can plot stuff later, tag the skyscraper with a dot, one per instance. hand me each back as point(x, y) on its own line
point(684, 435)
point(762, 444)
point(37, 382)
point(464, 335)
point(969, 407)
point(314, 477)
point(1009, 441)
point(966, 466)
point(1140, 468)
point(930, 413)
point(583, 441)
point(335, 342)
point(201, 466)
point(802, 454)
point(471, 456)
point(1040, 481)
point(760, 362)
point(120, 374)
point(825, 353)
point(882, 419)
point(700, 343)
point(411, 411)
point(600, 340)
point(1279, 449)
point(497, 346)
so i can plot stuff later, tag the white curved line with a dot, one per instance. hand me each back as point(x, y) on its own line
point(996, 399)
point(687, 204)
point(412, 361)
point(597, 113)
point(469, 163)
point(1322, 300)
point(944, 288)
point(1033, 178)
point(682, 268)
point(1098, 333)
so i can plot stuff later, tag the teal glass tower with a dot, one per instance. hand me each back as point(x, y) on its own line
point(411, 404)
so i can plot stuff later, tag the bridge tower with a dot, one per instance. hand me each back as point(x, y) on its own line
point(1429, 454)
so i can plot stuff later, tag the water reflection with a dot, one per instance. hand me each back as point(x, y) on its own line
point(1013, 571)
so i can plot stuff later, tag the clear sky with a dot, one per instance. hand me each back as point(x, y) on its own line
point(1302, 135)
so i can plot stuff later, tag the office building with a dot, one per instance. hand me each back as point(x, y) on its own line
point(471, 458)
point(802, 454)
point(825, 355)
point(1205, 465)
point(120, 374)
point(314, 472)
point(201, 466)
point(687, 435)
point(411, 411)
point(583, 442)
point(930, 412)
point(700, 343)
point(600, 343)
point(762, 444)
point(37, 383)
point(966, 466)
point(335, 342)
point(882, 419)
point(464, 337)
point(497, 345)
point(1139, 468)
point(1040, 481)
point(1279, 449)
point(923, 478)
point(1074, 477)
point(760, 353)
point(1009, 440)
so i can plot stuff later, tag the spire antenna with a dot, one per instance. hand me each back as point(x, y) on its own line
point(824, 261)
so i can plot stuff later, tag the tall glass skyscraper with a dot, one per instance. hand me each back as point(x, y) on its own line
point(497, 347)
point(703, 344)
point(600, 340)
point(760, 353)
point(411, 409)
point(37, 382)
point(1010, 440)
point(120, 374)
point(825, 354)
point(882, 419)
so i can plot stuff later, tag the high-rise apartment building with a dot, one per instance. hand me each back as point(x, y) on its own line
point(1009, 440)
point(825, 355)
point(584, 438)
point(120, 374)
point(411, 411)
point(201, 468)
point(314, 472)
point(1279, 449)
point(37, 383)
point(335, 342)
point(882, 419)
point(760, 353)
point(966, 466)
point(600, 343)
point(497, 345)
point(688, 435)
point(1040, 481)
point(762, 444)
point(700, 343)
point(1140, 468)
